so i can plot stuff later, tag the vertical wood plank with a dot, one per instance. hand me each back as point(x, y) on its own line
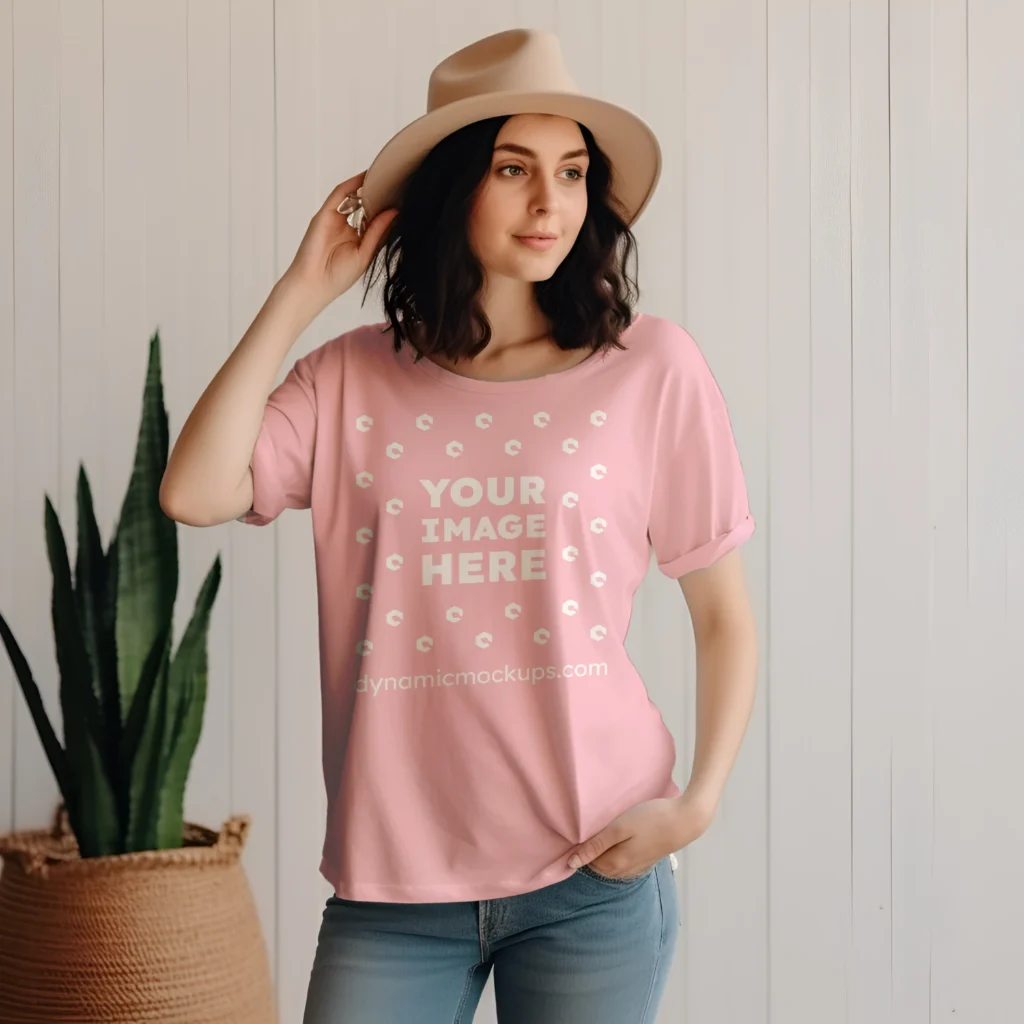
point(789, 475)
point(875, 608)
point(10, 694)
point(809, 495)
point(826, 630)
point(952, 666)
point(988, 752)
point(909, 572)
point(36, 380)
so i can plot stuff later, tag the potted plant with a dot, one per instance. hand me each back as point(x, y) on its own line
point(122, 911)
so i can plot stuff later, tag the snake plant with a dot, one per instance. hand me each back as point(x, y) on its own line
point(132, 713)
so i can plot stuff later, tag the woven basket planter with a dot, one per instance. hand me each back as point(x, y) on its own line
point(168, 936)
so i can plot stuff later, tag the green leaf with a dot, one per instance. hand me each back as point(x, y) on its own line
point(110, 596)
point(148, 764)
point(98, 631)
point(98, 810)
point(84, 733)
point(139, 818)
point(54, 751)
point(146, 543)
point(188, 699)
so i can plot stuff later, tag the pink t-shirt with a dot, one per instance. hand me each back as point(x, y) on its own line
point(478, 544)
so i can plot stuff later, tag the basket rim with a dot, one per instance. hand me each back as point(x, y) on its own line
point(42, 851)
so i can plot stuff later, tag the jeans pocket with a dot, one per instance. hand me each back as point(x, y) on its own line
point(586, 869)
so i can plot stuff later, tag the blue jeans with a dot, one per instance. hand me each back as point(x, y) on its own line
point(587, 950)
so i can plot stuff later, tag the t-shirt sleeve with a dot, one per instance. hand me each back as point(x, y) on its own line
point(282, 459)
point(699, 506)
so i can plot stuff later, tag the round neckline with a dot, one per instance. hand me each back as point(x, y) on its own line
point(457, 380)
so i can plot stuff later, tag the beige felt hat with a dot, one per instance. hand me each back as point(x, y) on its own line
point(518, 71)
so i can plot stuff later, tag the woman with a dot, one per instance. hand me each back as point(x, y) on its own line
point(487, 469)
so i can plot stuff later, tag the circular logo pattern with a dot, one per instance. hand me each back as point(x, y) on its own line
point(513, 610)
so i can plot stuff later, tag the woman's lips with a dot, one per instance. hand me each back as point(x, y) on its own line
point(532, 242)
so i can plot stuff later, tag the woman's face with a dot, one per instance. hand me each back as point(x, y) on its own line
point(542, 191)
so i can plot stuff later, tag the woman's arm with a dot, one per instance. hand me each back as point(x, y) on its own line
point(725, 632)
point(208, 480)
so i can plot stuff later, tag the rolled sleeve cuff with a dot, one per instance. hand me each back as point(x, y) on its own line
point(706, 554)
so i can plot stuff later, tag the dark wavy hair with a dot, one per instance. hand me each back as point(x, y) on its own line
point(433, 279)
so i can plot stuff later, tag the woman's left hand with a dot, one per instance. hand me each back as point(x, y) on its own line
point(641, 836)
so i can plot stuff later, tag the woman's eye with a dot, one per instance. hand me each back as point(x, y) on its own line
point(516, 167)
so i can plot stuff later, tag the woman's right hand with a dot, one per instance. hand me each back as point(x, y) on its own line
point(332, 256)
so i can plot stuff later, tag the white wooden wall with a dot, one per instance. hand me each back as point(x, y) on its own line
point(840, 224)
